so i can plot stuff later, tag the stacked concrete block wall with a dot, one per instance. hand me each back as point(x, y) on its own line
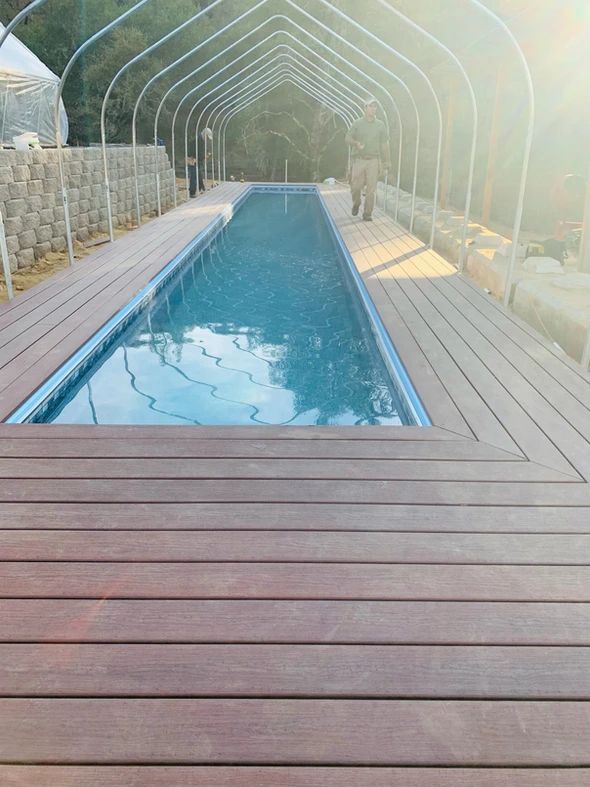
point(31, 202)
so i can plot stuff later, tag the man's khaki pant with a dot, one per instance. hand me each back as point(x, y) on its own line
point(365, 172)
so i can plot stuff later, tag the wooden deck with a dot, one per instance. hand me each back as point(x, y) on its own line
point(299, 606)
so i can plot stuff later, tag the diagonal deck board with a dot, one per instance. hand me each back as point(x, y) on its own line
point(423, 592)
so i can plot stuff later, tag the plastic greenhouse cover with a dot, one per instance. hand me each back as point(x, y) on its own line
point(28, 90)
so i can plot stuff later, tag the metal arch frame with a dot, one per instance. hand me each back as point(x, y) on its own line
point(357, 99)
point(287, 55)
point(404, 59)
point(234, 110)
point(164, 71)
point(247, 78)
point(261, 93)
point(60, 87)
point(356, 49)
point(229, 90)
point(475, 120)
point(326, 98)
point(323, 59)
point(491, 15)
point(527, 147)
point(22, 14)
point(217, 87)
point(377, 64)
point(118, 75)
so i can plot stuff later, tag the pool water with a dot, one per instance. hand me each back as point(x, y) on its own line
point(263, 327)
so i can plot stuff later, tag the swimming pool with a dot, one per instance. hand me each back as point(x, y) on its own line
point(261, 321)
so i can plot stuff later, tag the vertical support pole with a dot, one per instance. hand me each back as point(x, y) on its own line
point(157, 164)
point(386, 186)
point(447, 164)
point(64, 193)
point(584, 261)
point(5, 260)
point(286, 170)
point(488, 194)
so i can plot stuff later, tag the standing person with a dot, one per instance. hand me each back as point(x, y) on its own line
point(192, 175)
point(369, 145)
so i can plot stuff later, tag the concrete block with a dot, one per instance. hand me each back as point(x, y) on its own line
point(58, 244)
point(31, 221)
point(36, 203)
point(44, 233)
point(14, 225)
point(59, 213)
point(16, 207)
point(4, 193)
point(21, 172)
point(47, 216)
point(58, 228)
point(35, 187)
point(51, 171)
point(12, 262)
point(83, 220)
point(85, 192)
point(27, 239)
point(12, 244)
point(25, 258)
point(18, 190)
point(42, 250)
point(83, 234)
point(51, 200)
point(84, 205)
point(93, 216)
point(50, 185)
point(37, 171)
point(6, 175)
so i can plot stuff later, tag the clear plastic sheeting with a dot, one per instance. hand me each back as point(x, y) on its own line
point(28, 90)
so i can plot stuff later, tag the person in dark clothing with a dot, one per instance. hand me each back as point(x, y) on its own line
point(192, 176)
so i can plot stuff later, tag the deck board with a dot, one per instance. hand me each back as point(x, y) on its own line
point(410, 599)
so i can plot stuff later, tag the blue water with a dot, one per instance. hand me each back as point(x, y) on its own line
point(264, 327)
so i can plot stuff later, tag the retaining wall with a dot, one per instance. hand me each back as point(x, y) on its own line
point(31, 203)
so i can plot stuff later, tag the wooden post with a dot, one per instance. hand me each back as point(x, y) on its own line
point(447, 159)
point(488, 194)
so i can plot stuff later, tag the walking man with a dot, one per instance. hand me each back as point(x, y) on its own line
point(369, 144)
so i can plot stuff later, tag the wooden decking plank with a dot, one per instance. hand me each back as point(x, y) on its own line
point(566, 382)
point(536, 392)
point(348, 581)
point(304, 622)
point(521, 426)
point(249, 731)
point(277, 776)
point(195, 448)
point(370, 469)
point(307, 491)
point(287, 546)
point(484, 423)
point(415, 517)
point(348, 671)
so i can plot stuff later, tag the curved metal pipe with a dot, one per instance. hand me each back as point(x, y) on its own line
point(69, 65)
point(231, 90)
point(307, 48)
point(118, 75)
point(474, 126)
point(22, 14)
point(213, 90)
point(325, 98)
point(404, 59)
point(527, 147)
point(306, 69)
point(245, 103)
